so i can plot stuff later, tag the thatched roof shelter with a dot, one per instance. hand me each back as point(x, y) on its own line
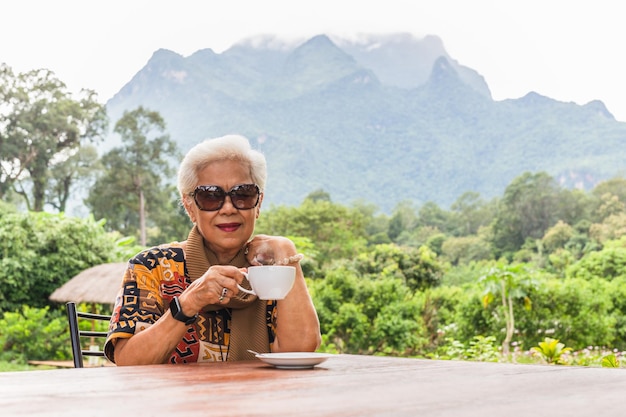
point(98, 284)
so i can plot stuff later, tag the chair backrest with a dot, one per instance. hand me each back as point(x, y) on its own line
point(73, 317)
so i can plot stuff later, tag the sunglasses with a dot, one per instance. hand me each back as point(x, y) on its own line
point(212, 197)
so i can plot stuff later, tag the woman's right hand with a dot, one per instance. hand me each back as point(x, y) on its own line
point(209, 287)
point(155, 344)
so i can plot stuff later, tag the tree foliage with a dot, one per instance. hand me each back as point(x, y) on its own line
point(366, 314)
point(135, 190)
point(378, 295)
point(33, 334)
point(39, 252)
point(75, 174)
point(41, 128)
point(529, 207)
point(469, 213)
point(338, 231)
point(608, 263)
point(422, 281)
point(418, 268)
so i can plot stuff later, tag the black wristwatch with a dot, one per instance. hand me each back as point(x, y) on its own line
point(177, 312)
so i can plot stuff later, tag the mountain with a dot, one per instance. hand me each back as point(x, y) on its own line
point(380, 119)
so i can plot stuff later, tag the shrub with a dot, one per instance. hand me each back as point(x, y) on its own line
point(39, 252)
point(34, 334)
point(578, 312)
point(367, 313)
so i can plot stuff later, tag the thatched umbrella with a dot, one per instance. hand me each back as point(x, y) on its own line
point(98, 284)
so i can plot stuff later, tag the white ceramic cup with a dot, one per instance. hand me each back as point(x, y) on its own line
point(270, 282)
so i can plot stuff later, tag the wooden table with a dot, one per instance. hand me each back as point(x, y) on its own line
point(344, 385)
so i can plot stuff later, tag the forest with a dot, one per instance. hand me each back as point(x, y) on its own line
point(536, 274)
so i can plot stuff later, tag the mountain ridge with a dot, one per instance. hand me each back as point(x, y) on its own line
point(327, 117)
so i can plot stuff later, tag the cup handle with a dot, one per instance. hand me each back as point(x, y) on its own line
point(243, 289)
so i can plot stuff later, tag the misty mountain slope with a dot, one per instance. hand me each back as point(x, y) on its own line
point(346, 117)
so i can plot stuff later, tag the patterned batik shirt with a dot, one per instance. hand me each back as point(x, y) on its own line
point(152, 279)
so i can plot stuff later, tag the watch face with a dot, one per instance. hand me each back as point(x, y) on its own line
point(178, 314)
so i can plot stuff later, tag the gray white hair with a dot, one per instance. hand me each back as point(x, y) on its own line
point(229, 147)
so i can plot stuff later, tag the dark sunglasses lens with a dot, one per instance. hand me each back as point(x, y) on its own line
point(245, 197)
point(209, 198)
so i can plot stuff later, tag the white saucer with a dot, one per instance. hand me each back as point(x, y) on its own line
point(294, 360)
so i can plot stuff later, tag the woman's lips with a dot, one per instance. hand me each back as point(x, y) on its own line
point(228, 227)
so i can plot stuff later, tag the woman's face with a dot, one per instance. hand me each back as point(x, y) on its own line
point(225, 230)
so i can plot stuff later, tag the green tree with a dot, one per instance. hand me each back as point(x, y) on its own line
point(579, 312)
point(612, 227)
point(557, 236)
point(610, 205)
point(40, 251)
point(575, 206)
point(529, 207)
point(469, 213)
point(608, 263)
point(420, 236)
point(403, 220)
point(138, 176)
point(77, 170)
point(318, 195)
point(337, 231)
point(614, 186)
point(363, 313)
point(41, 126)
point(376, 224)
point(462, 250)
point(418, 268)
point(430, 214)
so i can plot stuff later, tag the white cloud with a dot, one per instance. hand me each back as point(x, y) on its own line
point(567, 50)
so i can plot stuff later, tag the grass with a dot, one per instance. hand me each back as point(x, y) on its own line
point(13, 367)
point(10, 367)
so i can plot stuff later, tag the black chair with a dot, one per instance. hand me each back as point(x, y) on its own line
point(73, 316)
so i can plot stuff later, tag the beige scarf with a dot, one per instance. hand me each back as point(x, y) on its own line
point(248, 324)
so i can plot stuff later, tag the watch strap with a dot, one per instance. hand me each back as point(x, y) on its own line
point(177, 312)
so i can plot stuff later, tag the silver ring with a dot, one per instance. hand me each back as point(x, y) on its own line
point(224, 291)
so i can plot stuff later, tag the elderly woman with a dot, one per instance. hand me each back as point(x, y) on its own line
point(180, 303)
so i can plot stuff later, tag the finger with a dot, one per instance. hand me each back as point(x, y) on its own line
point(230, 283)
point(223, 296)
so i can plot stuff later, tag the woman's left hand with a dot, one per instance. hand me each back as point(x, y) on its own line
point(269, 250)
point(297, 325)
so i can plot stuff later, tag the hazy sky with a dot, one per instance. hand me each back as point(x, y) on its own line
point(567, 50)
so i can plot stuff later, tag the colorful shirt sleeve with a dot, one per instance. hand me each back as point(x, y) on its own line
point(152, 278)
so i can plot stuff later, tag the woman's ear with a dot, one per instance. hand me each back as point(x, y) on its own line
point(189, 209)
point(258, 206)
